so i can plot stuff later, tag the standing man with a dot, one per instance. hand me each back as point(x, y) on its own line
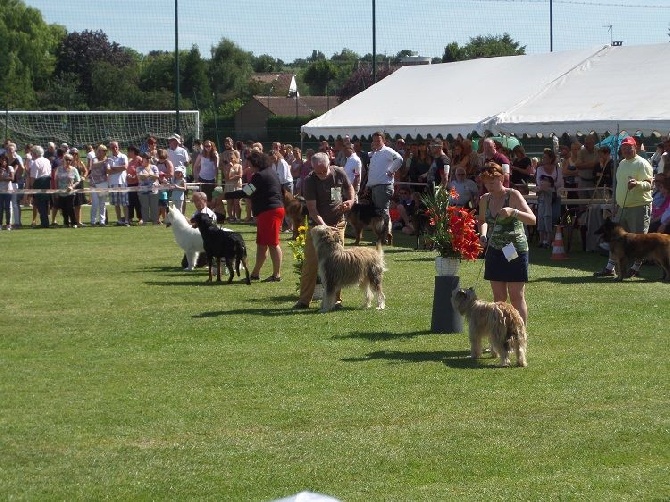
point(329, 195)
point(117, 163)
point(353, 166)
point(177, 154)
point(633, 199)
point(586, 165)
point(436, 173)
point(384, 162)
point(491, 154)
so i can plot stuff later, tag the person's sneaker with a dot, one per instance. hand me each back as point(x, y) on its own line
point(337, 306)
point(272, 278)
point(605, 272)
point(300, 306)
point(633, 273)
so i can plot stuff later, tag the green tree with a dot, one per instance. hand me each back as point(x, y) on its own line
point(266, 64)
point(229, 70)
point(78, 54)
point(195, 79)
point(27, 53)
point(319, 74)
point(157, 72)
point(483, 46)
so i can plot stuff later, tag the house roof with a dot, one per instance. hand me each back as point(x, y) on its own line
point(306, 105)
point(280, 82)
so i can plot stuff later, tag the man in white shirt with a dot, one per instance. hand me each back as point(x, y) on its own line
point(177, 154)
point(117, 163)
point(353, 166)
point(384, 162)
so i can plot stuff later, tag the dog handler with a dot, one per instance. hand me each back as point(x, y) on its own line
point(502, 215)
point(633, 198)
point(329, 195)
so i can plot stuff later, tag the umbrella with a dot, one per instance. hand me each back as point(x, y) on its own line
point(508, 142)
point(613, 141)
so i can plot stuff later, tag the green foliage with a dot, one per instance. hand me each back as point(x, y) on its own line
point(125, 378)
point(319, 74)
point(487, 46)
point(230, 69)
point(78, 54)
point(26, 57)
point(266, 64)
point(195, 79)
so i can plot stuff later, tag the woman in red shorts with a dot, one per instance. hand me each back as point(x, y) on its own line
point(264, 190)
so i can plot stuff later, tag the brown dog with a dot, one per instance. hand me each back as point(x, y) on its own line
point(365, 214)
point(626, 247)
point(340, 267)
point(296, 210)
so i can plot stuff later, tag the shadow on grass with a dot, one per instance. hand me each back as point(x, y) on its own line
point(198, 282)
point(377, 336)
point(451, 358)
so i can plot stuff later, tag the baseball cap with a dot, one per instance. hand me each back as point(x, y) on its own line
point(629, 141)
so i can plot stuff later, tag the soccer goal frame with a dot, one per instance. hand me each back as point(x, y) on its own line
point(80, 128)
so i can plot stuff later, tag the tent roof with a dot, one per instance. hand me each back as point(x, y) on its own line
point(599, 89)
point(617, 88)
point(447, 98)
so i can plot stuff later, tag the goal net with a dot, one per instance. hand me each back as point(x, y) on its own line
point(77, 128)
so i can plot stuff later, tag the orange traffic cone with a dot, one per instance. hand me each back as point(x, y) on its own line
point(557, 249)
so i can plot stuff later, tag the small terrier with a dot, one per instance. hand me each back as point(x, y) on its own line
point(500, 321)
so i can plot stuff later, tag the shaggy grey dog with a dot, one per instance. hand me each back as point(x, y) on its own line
point(340, 267)
point(500, 321)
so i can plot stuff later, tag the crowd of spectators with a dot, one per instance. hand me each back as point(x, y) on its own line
point(140, 183)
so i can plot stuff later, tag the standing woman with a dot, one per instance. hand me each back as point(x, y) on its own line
point(205, 168)
point(549, 181)
point(7, 187)
point(268, 207)
point(79, 198)
point(67, 177)
point(98, 182)
point(233, 179)
point(15, 160)
point(40, 178)
point(502, 215)
point(147, 179)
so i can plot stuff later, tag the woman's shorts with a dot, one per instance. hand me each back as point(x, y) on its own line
point(268, 226)
point(498, 269)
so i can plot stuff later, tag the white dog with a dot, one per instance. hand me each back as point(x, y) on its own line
point(187, 237)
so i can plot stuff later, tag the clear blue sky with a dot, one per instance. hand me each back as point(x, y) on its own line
point(291, 29)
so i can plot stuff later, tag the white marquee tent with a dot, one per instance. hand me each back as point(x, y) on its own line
point(603, 89)
point(617, 88)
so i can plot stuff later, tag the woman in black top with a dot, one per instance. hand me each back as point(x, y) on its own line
point(267, 204)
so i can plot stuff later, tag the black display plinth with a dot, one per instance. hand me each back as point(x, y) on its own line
point(445, 318)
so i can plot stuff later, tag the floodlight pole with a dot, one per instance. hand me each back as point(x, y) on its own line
point(176, 66)
point(374, 42)
point(551, 26)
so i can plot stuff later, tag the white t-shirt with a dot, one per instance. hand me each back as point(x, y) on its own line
point(179, 156)
point(118, 178)
point(353, 167)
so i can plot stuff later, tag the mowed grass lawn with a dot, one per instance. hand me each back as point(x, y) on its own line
point(123, 377)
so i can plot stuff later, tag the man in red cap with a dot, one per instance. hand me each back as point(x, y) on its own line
point(633, 199)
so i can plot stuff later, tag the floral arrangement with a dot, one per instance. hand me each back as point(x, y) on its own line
point(452, 229)
point(298, 248)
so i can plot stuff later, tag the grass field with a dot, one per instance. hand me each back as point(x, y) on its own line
point(124, 378)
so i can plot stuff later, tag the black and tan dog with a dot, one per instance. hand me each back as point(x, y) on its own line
point(365, 214)
point(221, 244)
point(626, 247)
point(296, 210)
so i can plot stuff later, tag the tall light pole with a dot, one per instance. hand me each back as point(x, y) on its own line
point(374, 43)
point(551, 26)
point(176, 66)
